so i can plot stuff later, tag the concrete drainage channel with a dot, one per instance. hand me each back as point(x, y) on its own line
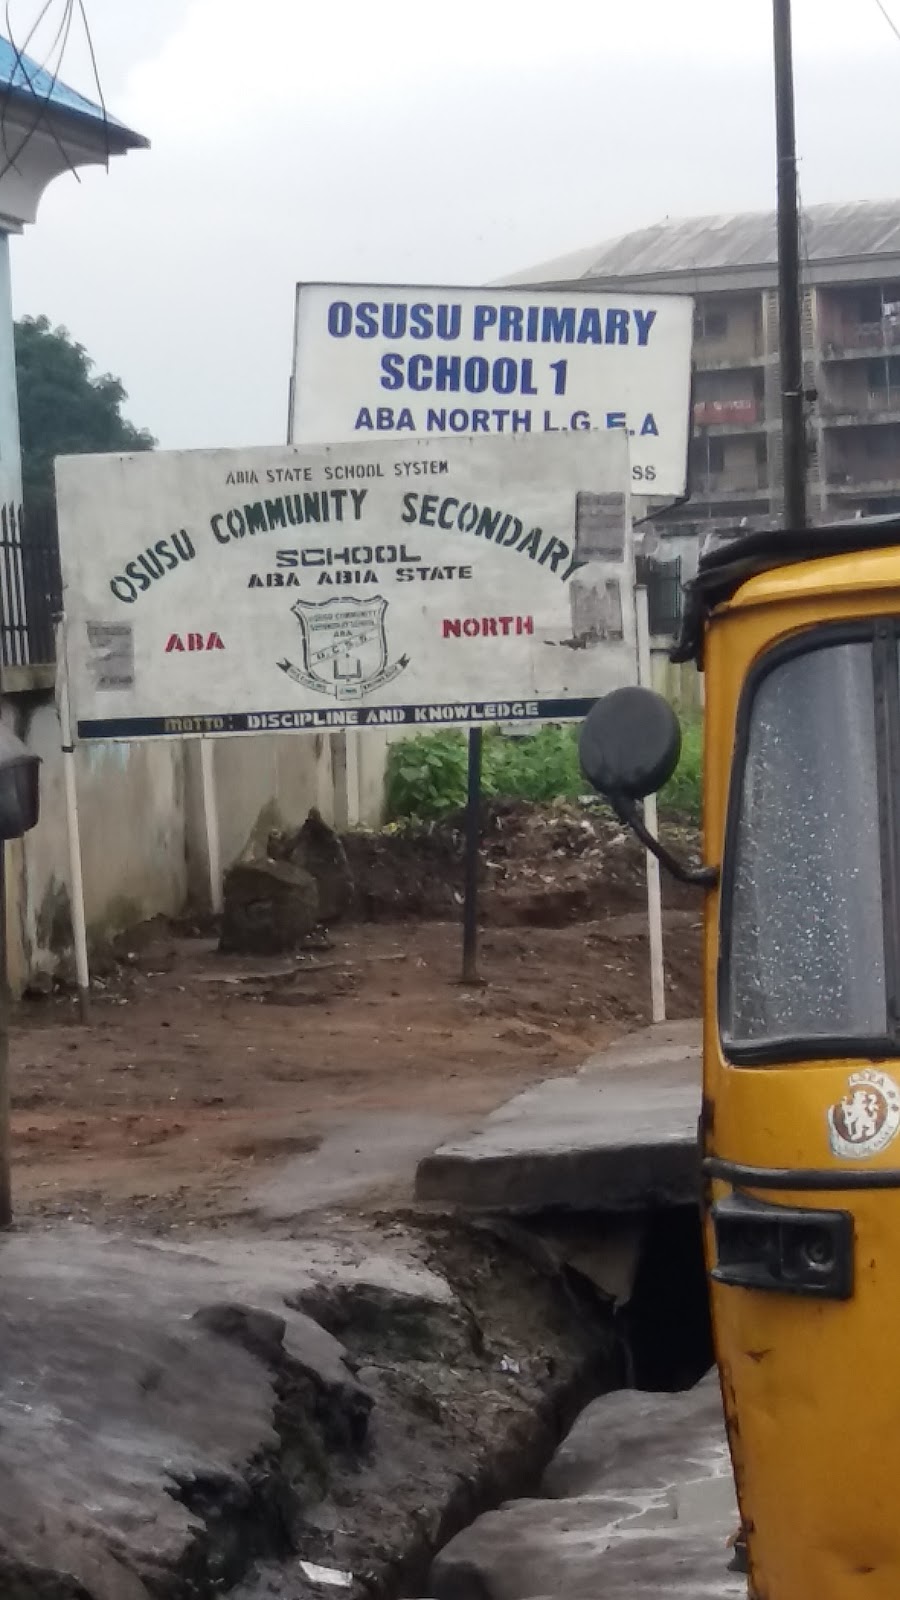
point(496, 1394)
point(566, 1357)
point(460, 1404)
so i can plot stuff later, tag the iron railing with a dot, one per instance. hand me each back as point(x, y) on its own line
point(665, 596)
point(30, 586)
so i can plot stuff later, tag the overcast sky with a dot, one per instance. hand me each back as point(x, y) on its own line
point(412, 140)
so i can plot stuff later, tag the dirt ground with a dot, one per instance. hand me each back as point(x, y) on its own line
point(198, 1072)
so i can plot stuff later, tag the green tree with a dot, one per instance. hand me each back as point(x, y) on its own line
point(63, 410)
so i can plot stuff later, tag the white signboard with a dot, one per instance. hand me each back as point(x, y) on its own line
point(416, 582)
point(374, 363)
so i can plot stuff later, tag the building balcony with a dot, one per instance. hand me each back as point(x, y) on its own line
point(717, 359)
point(738, 484)
point(863, 339)
point(726, 414)
point(878, 406)
point(840, 481)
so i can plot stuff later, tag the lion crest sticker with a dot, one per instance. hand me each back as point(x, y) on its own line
point(867, 1118)
point(345, 647)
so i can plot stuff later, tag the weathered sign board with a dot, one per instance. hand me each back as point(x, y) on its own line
point(409, 582)
point(374, 362)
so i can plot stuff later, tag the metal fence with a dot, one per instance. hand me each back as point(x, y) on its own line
point(665, 596)
point(30, 586)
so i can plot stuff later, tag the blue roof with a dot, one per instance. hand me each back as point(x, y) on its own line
point(24, 79)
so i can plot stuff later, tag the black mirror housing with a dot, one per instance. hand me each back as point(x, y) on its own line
point(19, 787)
point(630, 743)
point(629, 747)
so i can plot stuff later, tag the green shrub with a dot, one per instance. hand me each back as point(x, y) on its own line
point(683, 791)
point(541, 766)
point(426, 775)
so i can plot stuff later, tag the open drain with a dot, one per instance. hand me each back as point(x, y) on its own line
point(638, 1497)
point(465, 1351)
point(666, 1324)
point(471, 1390)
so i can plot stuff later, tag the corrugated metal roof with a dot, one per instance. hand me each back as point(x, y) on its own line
point(25, 80)
point(743, 239)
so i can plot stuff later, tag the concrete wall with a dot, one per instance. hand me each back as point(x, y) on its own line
point(741, 468)
point(261, 784)
point(10, 458)
point(847, 384)
point(682, 685)
point(131, 802)
point(143, 836)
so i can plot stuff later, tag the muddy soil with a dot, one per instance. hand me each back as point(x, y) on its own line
point(541, 865)
point(198, 1071)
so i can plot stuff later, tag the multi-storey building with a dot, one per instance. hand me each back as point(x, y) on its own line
point(851, 335)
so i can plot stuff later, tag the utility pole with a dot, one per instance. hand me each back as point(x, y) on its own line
point(793, 421)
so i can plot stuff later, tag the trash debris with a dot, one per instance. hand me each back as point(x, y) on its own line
point(507, 1364)
point(329, 1577)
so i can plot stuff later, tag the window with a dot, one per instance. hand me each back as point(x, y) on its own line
point(883, 375)
point(710, 322)
point(804, 965)
point(880, 444)
point(869, 305)
point(707, 456)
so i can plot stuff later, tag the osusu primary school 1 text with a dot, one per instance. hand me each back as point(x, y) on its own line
point(488, 379)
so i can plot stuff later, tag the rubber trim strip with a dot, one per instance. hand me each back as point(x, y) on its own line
point(800, 1178)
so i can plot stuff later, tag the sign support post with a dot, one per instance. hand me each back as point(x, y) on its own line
point(211, 825)
point(472, 859)
point(76, 882)
point(351, 772)
point(651, 819)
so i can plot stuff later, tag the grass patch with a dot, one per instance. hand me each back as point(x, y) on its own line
point(683, 792)
point(426, 775)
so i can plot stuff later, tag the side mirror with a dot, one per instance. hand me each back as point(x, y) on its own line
point(629, 747)
point(630, 743)
point(19, 787)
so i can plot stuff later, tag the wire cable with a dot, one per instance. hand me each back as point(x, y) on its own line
point(19, 69)
point(44, 100)
point(888, 18)
point(93, 55)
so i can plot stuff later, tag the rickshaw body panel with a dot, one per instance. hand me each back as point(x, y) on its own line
point(811, 1386)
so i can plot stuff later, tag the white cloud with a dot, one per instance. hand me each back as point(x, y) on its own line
point(445, 140)
point(229, 63)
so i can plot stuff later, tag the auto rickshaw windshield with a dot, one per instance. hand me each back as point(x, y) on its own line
point(809, 941)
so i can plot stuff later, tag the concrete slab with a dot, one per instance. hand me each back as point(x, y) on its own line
point(619, 1135)
point(646, 1519)
point(143, 1388)
point(366, 1153)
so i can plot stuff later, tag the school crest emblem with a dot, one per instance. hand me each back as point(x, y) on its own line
point(345, 647)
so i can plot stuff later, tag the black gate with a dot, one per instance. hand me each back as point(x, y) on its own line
point(665, 596)
point(30, 585)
